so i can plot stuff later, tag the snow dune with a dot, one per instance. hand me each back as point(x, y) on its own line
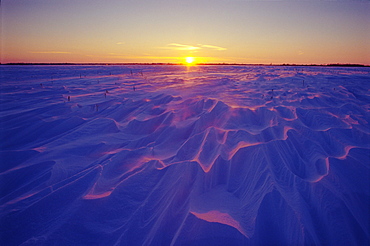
point(175, 155)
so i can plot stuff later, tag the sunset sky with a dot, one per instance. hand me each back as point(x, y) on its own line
point(214, 31)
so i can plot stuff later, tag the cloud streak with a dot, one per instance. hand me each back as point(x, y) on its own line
point(50, 52)
point(176, 46)
point(211, 47)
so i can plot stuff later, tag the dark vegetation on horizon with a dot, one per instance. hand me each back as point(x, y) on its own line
point(212, 64)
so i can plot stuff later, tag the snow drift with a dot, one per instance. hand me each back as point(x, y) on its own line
point(173, 155)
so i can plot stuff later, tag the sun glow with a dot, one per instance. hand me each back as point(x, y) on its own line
point(189, 60)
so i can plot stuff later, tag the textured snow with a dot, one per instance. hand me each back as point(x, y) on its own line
point(176, 155)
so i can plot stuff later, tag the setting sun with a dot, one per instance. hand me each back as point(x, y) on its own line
point(189, 60)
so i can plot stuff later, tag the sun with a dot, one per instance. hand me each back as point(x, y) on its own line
point(189, 60)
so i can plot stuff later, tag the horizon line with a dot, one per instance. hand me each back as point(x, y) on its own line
point(183, 64)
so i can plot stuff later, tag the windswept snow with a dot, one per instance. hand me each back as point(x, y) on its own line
point(176, 155)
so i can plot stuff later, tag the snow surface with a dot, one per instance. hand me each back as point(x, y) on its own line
point(176, 155)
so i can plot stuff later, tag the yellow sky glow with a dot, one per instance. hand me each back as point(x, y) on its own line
point(255, 32)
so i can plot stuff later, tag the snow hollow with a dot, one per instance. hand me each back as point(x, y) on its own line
point(177, 155)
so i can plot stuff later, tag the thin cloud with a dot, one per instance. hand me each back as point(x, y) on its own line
point(50, 52)
point(142, 57)
point(177, 46)
point(212, 47)
point(119, 43)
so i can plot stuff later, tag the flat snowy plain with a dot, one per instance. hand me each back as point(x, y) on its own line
point(176, 155)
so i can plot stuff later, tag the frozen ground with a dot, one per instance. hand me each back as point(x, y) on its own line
point(175, 155)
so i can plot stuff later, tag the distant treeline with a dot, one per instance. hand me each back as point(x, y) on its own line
point(347, 65)
point(327, 65)
point(208, 64)
point(86, 64)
